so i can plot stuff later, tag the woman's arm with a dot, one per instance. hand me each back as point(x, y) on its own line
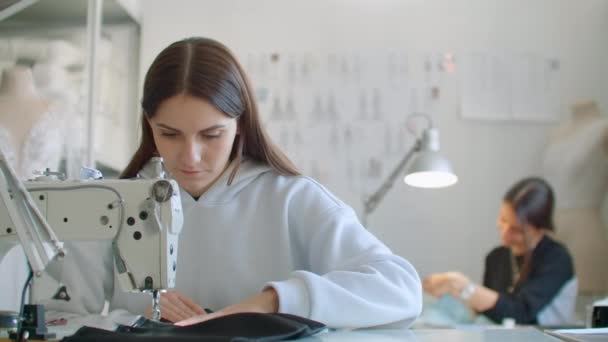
point(349, 279)
point(477, 297)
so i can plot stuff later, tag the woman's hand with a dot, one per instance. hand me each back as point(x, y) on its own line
point(482, 299)
point(266, 301)
point(175, 307)
point(449, 282)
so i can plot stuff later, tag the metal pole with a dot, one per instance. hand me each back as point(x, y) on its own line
point(94, 13)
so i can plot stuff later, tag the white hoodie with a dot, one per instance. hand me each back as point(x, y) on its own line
point(292, 234)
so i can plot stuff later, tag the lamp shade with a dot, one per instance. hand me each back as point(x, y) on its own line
point(430, 169)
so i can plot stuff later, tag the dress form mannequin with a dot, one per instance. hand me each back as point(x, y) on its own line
point(576, 165)
point(21, 112)
point(29, 130)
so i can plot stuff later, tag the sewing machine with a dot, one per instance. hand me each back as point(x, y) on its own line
point(142, 218)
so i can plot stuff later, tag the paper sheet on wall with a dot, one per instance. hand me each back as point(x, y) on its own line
point(521, 87)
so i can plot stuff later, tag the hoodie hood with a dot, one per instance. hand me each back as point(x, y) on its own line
point(220, 192)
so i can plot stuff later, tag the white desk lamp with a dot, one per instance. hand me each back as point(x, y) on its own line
point(428, 170)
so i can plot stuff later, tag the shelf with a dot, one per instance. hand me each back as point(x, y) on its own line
point(65, 12)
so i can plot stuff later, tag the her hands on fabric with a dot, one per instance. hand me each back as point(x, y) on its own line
point(447, 311)
point(175, 307)
point(439, 284)
point(455, 309)
point(266, 301)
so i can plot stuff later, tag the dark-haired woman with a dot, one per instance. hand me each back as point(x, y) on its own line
point(530, 278)
point(257, 235)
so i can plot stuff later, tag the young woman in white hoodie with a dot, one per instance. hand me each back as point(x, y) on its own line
point(257, 235)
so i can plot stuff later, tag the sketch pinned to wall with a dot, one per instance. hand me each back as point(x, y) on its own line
point(402, 136)
point(264, 67)
point(297, 139)
point(362, 105)
point(348, 135)
point(331, 111)
point(376, 105)
point(276, 113)
point(317, 111)
point(305, 68)
point(417, 100)
point(334, 140)
point(398, 69)
point(284, 139)
point(332, 66)
point(291, 71)
point(510, 86)
point(290, 111)
point(344, 69)
point(430, 69)
point(357, 68)
point(435, 65)
point(374, 170)
point(534, 91)
point(388, 144)
point(448, 62)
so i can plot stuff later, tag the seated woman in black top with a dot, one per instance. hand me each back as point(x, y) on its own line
point(530, 278)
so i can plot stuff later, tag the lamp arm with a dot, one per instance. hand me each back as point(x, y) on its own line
point(370, 203)
point(39, 241)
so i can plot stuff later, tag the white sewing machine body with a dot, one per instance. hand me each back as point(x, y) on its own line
point(143, 218)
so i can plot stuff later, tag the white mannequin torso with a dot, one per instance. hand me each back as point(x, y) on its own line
point(30, 132)
point(576, 159)
point(576, 165)
point(20, 99)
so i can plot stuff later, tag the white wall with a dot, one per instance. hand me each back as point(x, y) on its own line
point(437, 230)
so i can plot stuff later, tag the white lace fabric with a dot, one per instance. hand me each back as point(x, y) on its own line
point(42, 147)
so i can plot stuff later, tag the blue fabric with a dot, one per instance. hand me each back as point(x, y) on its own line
point(447, 311)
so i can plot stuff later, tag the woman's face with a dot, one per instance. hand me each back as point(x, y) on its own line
point(511, 232)
point(195, 139)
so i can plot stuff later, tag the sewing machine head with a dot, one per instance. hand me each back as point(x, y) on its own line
point(141, 217)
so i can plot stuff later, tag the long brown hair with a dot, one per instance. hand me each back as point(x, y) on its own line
point(532, 200)
point(206, 69)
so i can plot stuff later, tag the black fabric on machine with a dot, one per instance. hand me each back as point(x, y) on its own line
point(238, 327)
